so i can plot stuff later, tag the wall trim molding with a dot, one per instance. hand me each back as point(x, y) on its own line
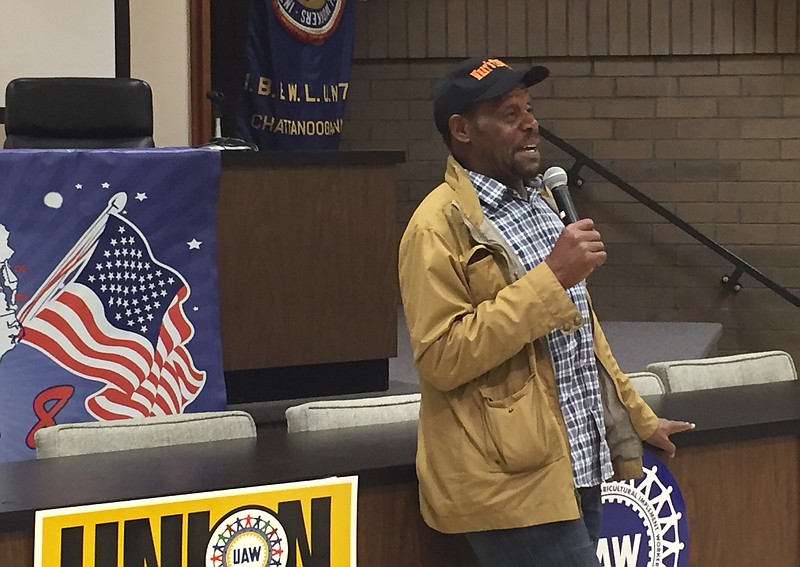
point(199, 70)
point(122, 38)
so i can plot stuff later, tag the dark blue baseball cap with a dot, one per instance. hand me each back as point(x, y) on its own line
point(477, 79)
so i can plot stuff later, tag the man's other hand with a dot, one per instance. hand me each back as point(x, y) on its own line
point(666, 427)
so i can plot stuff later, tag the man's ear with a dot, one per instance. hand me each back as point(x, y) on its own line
point(459, 128)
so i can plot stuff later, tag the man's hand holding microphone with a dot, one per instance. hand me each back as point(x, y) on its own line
point(579, 249)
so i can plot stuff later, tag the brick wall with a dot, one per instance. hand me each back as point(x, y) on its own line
point(694, 102)
point(713, 138)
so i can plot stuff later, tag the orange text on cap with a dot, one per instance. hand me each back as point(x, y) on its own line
point(486, 67)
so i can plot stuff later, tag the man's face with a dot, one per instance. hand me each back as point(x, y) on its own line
point(504, 138)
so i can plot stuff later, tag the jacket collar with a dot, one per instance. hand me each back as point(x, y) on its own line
point(482, 229)
point(466, 197)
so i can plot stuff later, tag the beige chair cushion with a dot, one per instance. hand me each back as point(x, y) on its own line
point(335, 414)
point(725, 371)
point(141, 433)
point(646, 383)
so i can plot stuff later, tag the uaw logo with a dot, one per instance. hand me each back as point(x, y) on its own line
point(644, 521)
point(310, 21)
point(250, 536)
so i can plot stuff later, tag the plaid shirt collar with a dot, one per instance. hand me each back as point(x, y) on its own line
point(493, 193)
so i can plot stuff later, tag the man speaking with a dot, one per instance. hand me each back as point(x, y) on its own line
point(524, 410)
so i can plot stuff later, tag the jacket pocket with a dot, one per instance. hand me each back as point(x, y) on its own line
point(521, 428)
point(484, 276)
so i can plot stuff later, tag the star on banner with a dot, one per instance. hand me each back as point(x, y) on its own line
point(140, 197)
point(78, 186)
point(194, 244)
point(105, 185)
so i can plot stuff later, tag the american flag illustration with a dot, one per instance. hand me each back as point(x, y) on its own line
point(112, 313)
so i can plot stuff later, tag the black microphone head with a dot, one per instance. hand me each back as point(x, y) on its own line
point(555, 177)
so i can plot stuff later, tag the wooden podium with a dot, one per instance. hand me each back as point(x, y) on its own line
point(307, 272)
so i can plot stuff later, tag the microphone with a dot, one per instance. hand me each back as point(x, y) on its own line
point(555, 179)
point(216, 98)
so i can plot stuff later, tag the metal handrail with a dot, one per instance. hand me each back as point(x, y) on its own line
point(731, 282)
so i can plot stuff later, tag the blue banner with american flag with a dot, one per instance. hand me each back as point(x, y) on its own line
point(109, 305)
point(298, 57)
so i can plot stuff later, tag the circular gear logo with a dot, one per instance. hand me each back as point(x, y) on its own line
point(250, 536)
point(644, 520)
point(310, 21)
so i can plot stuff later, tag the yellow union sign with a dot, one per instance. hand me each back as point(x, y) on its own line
point(302, 524)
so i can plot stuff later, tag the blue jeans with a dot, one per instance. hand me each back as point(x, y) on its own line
point(571, 543)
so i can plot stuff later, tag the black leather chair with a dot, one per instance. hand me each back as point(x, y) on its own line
point(78, 112)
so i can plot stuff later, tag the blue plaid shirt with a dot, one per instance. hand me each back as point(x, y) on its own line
point(532, 227)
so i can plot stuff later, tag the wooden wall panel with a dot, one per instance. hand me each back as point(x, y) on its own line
point(681, 27)
point(391, 532)
point(361, 44)
point(456, 28)
point(723, 26)
point(598, 27)
point(765, 26)
point(337, 273)
point(702, 28)
point(787, 26)
point(618, 27)
point(16, 548)
point(200, 65)
point(496, 27)
point(379, 31)
point(723, 516)
point(639, 14)
point(398, 29)
point(437, 29)
point(537, 28)
point(556, 28)
point(418, 29)
point(743, 26)
point(476, 27)
point(659, 27)
point(577, 18)
point(516, 15)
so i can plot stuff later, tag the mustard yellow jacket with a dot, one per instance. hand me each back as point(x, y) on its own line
point(492, 446)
